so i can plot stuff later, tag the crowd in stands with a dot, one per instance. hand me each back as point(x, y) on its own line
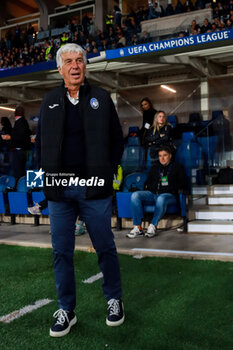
point(20, 47)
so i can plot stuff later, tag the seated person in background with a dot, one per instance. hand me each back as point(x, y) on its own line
point(166, 179)
point(160, 134)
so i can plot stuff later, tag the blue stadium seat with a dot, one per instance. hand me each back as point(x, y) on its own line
point(209, 145)
point(189, 153)
point(133, 141)
point(2, 204)
point(147, 162)
point(134, 181)
point(6, 182)
point(132, 159)
point(18, 200)
point(187, 136)
point(172, 119)
point(133, 130)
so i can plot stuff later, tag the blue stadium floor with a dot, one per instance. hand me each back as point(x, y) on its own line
point(169, 243)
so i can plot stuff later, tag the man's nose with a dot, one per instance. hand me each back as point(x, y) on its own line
point(75, 64)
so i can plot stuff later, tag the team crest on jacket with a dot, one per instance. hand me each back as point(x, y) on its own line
point(94, 103)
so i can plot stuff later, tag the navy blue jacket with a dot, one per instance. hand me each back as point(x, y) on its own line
point(102, 134)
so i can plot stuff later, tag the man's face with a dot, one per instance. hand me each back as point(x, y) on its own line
point(73, 69)
point(164, 157)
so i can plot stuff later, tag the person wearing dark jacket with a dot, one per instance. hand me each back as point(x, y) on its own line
point(6, 126)
point(6, 130)
point(165, 180)
point(148, 116)
point(79, 133)
point(19, 143)
point(160, 134)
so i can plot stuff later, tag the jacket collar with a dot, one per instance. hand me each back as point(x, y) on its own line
point(85, 88)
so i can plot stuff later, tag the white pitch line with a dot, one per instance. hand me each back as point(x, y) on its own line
point(181, 252)
point(93, 278)
point(25, 310)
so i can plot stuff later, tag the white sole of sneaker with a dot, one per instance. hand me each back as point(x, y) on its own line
point(129, 236)
point(151, 235)
point(117, 323)
point(33, 213)
point(66, 331)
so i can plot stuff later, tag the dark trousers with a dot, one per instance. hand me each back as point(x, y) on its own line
point(97, 217)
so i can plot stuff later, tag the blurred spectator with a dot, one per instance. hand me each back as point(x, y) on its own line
point(30, 34)
point(49, 50)
point(169, 10)
point(18, 49)
point(64, 38)
point(141, 14)
point(194, 27)
point(145, 37)
point(82, 38)
point(8, 39)
point(19, 143)
point(188, 6)
point(6, 126)
point(135, 40)
point(109, 21)
point(158, 10)
point(214, 27)
point(206, 26)
point(229, 24)
point(86, 23)
point(117, 16)
point(151, 10)
point(6, 130)
point(17, 36)
point(121, 40)
point(179, 8)
point(199, 5)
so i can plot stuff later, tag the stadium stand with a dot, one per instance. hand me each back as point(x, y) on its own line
point(20, 47)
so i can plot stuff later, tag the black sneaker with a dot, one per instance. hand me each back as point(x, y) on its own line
point(64, 321)
point(116, 314)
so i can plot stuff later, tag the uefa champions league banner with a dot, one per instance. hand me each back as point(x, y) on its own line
point(170, 44)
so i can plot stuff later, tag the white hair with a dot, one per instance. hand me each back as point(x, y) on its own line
point(69, 48)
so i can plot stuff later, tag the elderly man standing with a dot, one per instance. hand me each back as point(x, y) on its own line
point(80, 133)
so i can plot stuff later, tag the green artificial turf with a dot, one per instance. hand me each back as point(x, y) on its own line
point(170, 304)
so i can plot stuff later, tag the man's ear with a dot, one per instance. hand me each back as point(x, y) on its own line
point(60, 71)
